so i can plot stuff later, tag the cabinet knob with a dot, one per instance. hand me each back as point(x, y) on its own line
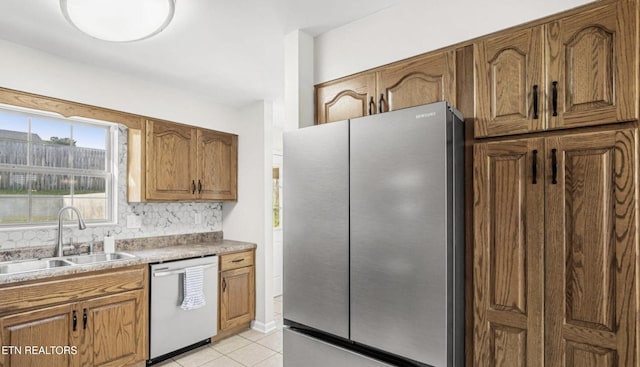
point(193, 187)
point(372, 106)
point(84, 318)
point(224, 284)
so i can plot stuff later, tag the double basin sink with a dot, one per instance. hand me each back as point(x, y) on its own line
point(23, 266)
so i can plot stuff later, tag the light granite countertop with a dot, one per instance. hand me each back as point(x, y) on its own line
point(143, 255)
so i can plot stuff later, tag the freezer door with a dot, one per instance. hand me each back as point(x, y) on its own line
point(316, 227)
point(302, 350)
point(399, 257)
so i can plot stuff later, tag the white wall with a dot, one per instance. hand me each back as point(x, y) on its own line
point(298, 80)
point(34, 71)
point(249, 219)
point(418, 26)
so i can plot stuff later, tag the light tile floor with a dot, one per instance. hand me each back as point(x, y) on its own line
point(247, 349)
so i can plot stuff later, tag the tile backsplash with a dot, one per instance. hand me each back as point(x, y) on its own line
point(157, 219)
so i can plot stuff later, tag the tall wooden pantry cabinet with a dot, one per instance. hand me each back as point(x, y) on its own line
point(555, 250)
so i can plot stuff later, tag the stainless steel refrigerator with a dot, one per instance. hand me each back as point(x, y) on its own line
point(373, 241)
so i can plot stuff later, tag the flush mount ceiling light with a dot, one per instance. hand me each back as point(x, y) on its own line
point(119, 20)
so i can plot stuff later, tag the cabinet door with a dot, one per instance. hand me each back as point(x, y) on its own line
point(237, 297)
point(508, 254)
point(49, 327)
point(115, 330)
point(425, 80)
point(171, 160)
point(217, 165)
point(509, 71)
point(346, 98)
point(591, 250)
point(592, 59)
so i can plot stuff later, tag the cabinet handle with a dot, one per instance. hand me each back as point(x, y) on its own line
point(224, 284)
point(75, 320)
point(372, 105)
point(554, 166)
point(199, 186)
point(535, 102)
point(193, 187)
point(535, 166)
point(554, 96)
point(380, 102)
point(238, 260)
point(84, 318)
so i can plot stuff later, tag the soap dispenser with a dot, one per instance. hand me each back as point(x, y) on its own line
point(109, 244)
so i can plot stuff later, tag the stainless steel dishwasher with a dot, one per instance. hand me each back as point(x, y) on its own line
point(173, 330)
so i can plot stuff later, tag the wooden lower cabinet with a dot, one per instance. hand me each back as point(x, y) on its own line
point(49, 327)
point(508, 254)
point(555, 251)
point(237, 292)
point(107, 328)
point(115, 325)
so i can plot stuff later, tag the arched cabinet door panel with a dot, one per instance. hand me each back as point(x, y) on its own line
point(509, 86)
point(424, 80)
point(590, 61)
point(346, 98)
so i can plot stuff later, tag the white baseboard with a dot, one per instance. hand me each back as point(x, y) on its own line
point(262, 327)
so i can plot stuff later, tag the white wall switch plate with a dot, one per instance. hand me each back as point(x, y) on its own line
point(134, 221)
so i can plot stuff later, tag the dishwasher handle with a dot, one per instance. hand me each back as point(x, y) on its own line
point(181, 271)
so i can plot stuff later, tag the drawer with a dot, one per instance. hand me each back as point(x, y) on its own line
point(71, 288)
point(237, 260)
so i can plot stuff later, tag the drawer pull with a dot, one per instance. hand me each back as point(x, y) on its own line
point(535, 167)
point(238, 261)
point(554, 167)
point(554, 97)
point(535, 102)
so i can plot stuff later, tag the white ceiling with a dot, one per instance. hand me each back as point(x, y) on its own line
point(232, 52)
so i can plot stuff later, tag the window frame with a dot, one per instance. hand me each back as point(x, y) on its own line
point(110, 173)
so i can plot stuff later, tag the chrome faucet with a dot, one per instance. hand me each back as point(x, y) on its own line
point(81, 226)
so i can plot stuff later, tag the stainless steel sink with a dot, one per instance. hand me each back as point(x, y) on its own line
point(96, 258)
point(13, 267)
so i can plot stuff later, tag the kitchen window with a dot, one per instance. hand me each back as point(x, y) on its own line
point(48, 162)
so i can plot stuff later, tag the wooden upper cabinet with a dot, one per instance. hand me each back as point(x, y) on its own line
point(509, 83)
point(171, 161)
point(588, 74)
point(508, 258)
point(424, 80)
point(421, 80)
point(185, 163)
point(591, 252)
point(218, 168)
point(591, 58)
point(346, 98)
